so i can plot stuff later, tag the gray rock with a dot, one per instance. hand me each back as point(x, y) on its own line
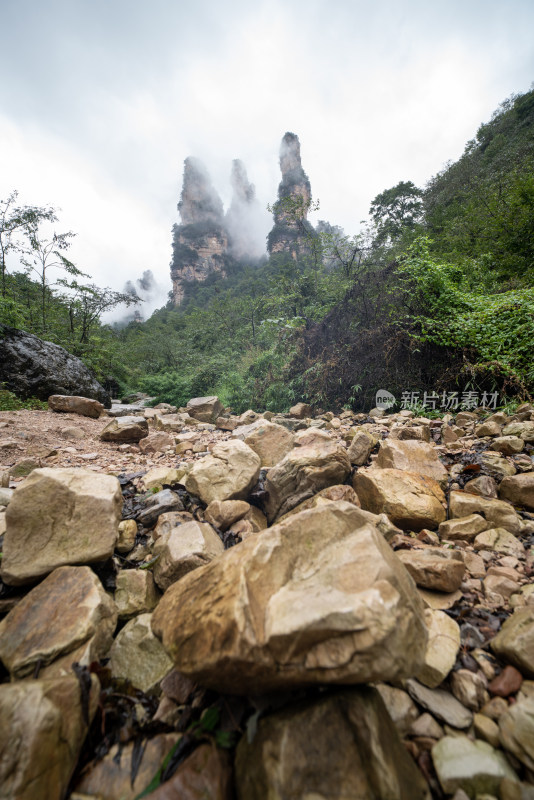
point(441, 704)
point(31, 367)
point(160, 503)
point(474, 767)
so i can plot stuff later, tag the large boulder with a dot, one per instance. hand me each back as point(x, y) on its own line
point(411, 501)
point(319, 598)
point(31, 367)
point(43, 724)
point(271, 442)
point(515, 641)
point(229, 473)
point(67, 613)
point(342, 745)
point(303, 472)
point(57, 517)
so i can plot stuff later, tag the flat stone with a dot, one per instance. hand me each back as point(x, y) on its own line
point(434, 569)
point(474, 767)
point(68, 609)
point(500, 467)
point(184, 548)
point(168, 423)
point(303, 472)
point(488, 428)
point(439, 601)
point(135, 593)
point(125, 429)
point(441, 704)
point(515, 641)
point(57, 517)
point(500, 541)
point(442, 648)
point(138, 656)
point(75, 405)
point(463, 528)
point(413, 456)
point(229, 473)
point(420, 433)
point(412, 502)
point(498, 513)
point(42, 729)
point(317, 598)
point(291, 754)
point(519, 490)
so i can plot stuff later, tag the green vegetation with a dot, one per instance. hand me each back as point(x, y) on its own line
point(436, 293)
point(10, 402)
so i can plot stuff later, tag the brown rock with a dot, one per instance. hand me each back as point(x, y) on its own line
point(169, 423)
point(508, 445)
point(469, 688)
point(507, 683)
point(412, 502)
point(300, 411)
point(361, 447)
point(442, 648)
point(42, 729)
point(515, 640)
point(463, 528)
point(518, 490)
point(229, 473)
point(291, 755)
point(331, 493)
point(125, 429)
point(207, 773)
point(110, 778)
point(260, 617)
point(156, 442)
point(182, 549)
point(412, 456)
point(483, 486)
point(271, 442)
point(488, 428)
point(205, 409)
point(223, 513)
point(516, 731)
point(498, 513)
point(303, 472)
point(499, 540)
point(138, 656)
point(57, 517)
point(433, 568)
point(75, 405)
point(135, 593)
point(68, 609)
point(127, 536)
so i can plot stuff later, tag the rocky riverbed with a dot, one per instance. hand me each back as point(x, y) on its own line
point(195, 604)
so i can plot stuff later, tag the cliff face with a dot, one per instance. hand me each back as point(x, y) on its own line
point(200, 243)
point(291, 232)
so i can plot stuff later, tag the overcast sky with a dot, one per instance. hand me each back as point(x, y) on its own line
point(103, 99)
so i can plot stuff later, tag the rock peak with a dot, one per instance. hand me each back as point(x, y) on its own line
point(199, 201)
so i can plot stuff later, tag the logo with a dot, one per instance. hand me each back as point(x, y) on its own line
point(384, 399)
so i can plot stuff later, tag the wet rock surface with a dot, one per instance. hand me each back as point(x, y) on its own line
point(209, 666)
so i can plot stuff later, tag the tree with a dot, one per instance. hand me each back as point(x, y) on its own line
point(396, 209)
point(42, 255)
point(87, 303)
point(15, 223)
